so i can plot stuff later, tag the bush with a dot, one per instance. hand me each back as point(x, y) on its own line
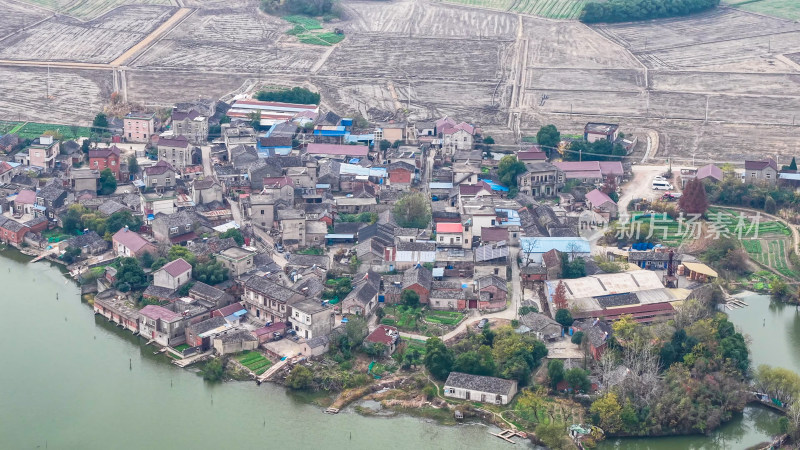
point(631, 10)
point(293, 95)
point(577, 338)
point(214, 370)
point(430, 392)
point(299, 378)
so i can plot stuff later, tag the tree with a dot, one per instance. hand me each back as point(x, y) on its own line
point(508, 169)
point(213, 371)
point(108, 182)
point(409, 298)
point(159, 263)
point(121, 219)
point(234, 233)
point(553, 435)
point(71, 254)
point(548, 137)
point(577, 379)
point(374, 349)
point(100, 123)
point(86, 145)
point(488, 140)
point(146, 259)
point(769, 205)
point(300, 377)
point(625, 327)
point(71, 222)
point(793, 165)
point(411, 358)
point(294, 95)
point(210, 272)
point(413, 210)
point(179, 251)
point(560, 297)
point(608, 412)
point(255, 119)
point(133, 165)
point(694, 200)
point(475, 363)
point(380, 313)
point(130, 275)
point(555, 372)
point(564, 317)
point(577, 338)
point(384, 145)
point(633, 10)
point(438, 358)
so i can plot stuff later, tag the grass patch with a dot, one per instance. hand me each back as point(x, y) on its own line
point(254, 361)
point(309, 23)
point(182, 347)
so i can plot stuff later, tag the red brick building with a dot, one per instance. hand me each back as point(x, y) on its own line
point(11, 231)
point(418, 279)
point(105, 158)
point(400, 173)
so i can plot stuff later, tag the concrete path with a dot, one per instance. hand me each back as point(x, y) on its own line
point(271, 371)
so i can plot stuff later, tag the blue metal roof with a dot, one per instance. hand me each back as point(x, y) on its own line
point(240, 313)
point(440, 185)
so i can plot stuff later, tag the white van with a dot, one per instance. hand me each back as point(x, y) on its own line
point(659, 185)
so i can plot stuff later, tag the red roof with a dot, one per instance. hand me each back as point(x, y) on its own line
point(473, 189)
point(384, 334)
point(228, 310)
point(5, 167)
point(25, 196)
point(177, 267)
point(278, 181)
point(598, 197)
point(531, 156)
point(104, 152)
point(338, 150)
point(156, 312)
point(642, 313)
point(444, 227)
point(190, 236)
point(130, 239)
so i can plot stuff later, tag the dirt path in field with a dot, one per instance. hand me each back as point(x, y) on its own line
point(163, 29)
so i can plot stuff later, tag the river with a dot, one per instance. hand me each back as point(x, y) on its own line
point(774, 337)
point(71, 380)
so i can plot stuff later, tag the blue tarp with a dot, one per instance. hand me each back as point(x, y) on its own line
point(495, 186)
point(240, 313)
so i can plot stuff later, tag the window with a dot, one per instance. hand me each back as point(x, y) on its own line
point(113, 163)
point(188, 227)
point(173, 230)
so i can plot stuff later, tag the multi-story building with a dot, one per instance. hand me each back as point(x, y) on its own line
point(43, 151)
point(542, 179)
point(191, 124)
point(312, 318)
point(138, 127)
point(175, 151)
point(267, 301)
point(105, 158)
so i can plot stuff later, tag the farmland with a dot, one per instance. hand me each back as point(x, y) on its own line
point(32, 130)
point(91, 9)
point(254, 361)
point(420, 319)
point(552, 9)
point(786, 9)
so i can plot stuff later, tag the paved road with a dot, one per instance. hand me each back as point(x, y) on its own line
point(206, 152)
point(509, 313)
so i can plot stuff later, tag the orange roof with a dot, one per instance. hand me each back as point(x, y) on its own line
point(449, 228)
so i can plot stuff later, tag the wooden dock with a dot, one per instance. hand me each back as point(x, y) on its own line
point(734, 303)
point(506, 435)
point(332, 411)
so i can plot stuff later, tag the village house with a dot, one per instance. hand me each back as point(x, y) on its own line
point(173, 275)
point(708, 172)
point(590, 172)
point(177, 228)
point(480, 388)
point(451, 235)
point(206, 190)
point(363, 299)
point(543, 327)
point(190, 124)
point(90, 243)
point(312, 318)
point(455, 136)
point(209, 296)
point(533, 248)
point(337, 151)
point(138, 127)
point(597, 131)
point(653, 260)
point(105, 158)
point(201, 334)
point(161, 325)
point(84, 180)
point(267, 301)
point(175, 151)
point(12, 232)
point(117, 310)
point(238, 260)
point(408, 254)
point(234, 341)
point(24, 202)
point(292, 225)
point(51, 198)
point(531, 155)
point(401, 174)
point(495, 289)
point(532, 273)
point(596, 333)
point(601, 203)
point(764, 171)
point(159, 176)
point(261, 210)
point(541, 179)
point(385, 335)
point(6, 173)
point(42, 152)
point(128, 243)
point(418, 279)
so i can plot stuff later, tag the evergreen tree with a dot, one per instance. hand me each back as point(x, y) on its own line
point(693, 200)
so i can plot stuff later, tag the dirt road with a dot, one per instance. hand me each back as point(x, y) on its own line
point(152, 37)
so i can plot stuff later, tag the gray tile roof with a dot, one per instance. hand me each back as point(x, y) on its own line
point(418, 275)
point(272, 290)
point(491, 280)
point(480, 383)
point(206, 325)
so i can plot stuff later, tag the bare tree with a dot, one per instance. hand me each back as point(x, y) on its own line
point(690, 312)
point(528, 246)
point(641, 358)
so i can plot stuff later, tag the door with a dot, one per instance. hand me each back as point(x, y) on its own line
point(467, 395)
point(473, 304)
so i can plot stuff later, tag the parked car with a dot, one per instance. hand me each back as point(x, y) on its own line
point(279, 247)
point(483, 323)
point(276, 336)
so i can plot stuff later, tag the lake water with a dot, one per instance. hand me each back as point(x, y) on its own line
point(774, 332)
point(71, 380)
